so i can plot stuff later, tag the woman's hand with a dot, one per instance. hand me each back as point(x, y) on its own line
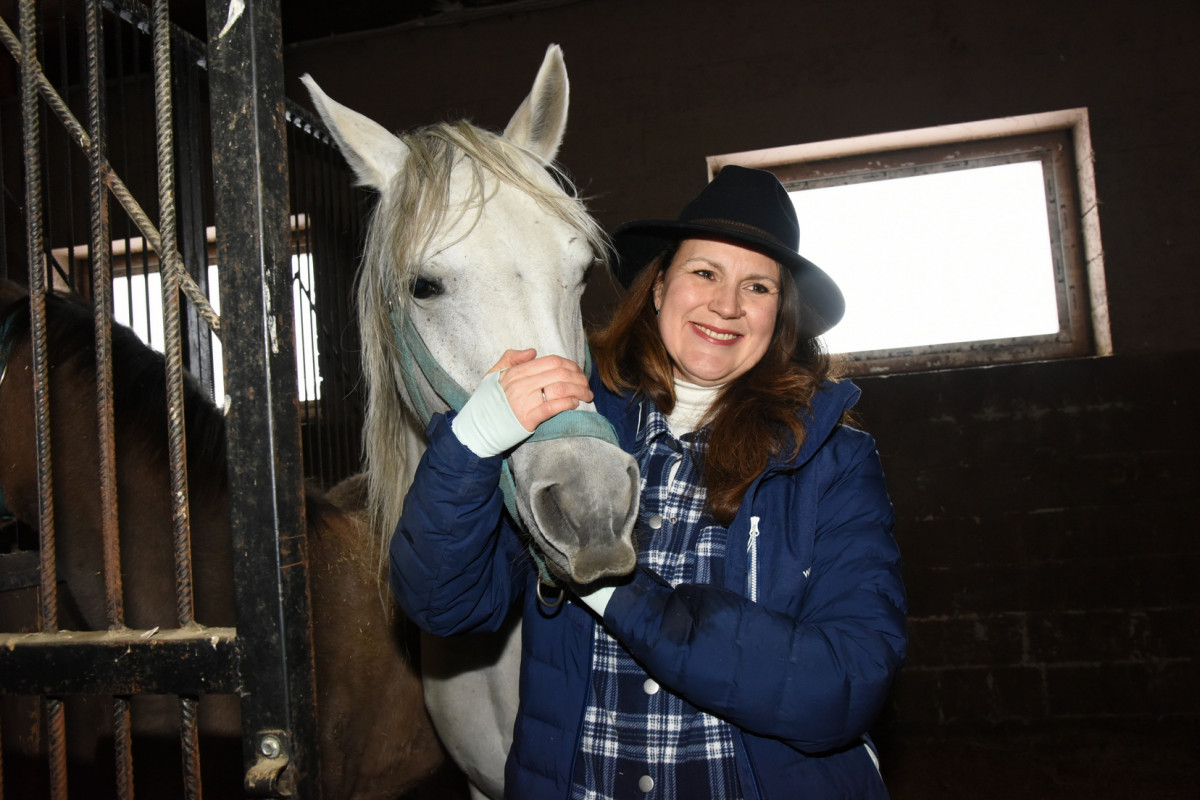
point(539, 388)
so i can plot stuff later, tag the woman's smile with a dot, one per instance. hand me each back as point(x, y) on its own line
point(711, 333)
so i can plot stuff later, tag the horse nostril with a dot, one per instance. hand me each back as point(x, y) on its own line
point(590, 531)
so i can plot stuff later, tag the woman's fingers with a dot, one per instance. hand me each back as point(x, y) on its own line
point(511, 358)
point(539, 388)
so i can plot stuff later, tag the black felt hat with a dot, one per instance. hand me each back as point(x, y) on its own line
point(748, 207)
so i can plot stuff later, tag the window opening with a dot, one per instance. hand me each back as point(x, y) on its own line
point(955, 246)
point(137, 303)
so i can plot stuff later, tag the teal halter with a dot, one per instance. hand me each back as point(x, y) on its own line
point(416, 359)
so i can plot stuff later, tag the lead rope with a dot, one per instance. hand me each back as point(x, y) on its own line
point(415, 358)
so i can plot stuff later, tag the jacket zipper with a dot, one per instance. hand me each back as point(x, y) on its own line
point(752, 559)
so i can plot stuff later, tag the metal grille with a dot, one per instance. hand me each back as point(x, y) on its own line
point(103, 86)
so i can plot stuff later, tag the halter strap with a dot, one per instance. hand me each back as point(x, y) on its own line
point(416, 358)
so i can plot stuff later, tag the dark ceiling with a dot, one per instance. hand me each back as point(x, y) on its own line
point(61, 21)
point(303, 20)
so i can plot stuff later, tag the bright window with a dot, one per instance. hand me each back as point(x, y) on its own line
point(145, 317)
point(955, 246)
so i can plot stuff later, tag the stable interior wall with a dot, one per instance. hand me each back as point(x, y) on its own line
point(1044, 509)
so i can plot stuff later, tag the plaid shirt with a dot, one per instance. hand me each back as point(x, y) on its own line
point(639, 739)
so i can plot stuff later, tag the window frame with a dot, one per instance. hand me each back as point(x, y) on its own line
point(1059, 140)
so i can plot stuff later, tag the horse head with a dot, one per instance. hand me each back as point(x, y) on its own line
point(476, 247)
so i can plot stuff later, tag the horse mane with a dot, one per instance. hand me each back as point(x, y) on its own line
point(404, 224)
point(139, 383)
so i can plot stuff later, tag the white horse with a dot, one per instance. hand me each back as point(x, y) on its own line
point(475, 248)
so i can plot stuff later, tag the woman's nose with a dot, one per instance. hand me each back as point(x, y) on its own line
point(725, 301)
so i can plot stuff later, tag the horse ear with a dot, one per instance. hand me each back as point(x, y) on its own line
point(374, 153)
point(541, 120)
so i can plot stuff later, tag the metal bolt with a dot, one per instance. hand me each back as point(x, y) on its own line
point(270, 746)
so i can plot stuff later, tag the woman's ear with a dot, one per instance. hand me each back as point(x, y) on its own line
point(659, 288)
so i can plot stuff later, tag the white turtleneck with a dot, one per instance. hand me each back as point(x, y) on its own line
point(691, 404)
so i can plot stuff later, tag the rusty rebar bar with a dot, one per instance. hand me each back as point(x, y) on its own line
point(38, 282)
point(102, 302)
point(189, 740)
point(160, 28)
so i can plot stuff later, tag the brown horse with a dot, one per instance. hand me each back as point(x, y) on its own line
point(376, 740)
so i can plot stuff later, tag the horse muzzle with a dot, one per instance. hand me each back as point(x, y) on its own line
point(578, 497)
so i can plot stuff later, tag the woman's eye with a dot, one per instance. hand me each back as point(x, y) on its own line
point(423, 288)
point(707, 274)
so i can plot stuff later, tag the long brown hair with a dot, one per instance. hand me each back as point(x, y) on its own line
point(754, 418)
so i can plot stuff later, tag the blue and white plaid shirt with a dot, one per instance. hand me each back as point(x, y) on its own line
point(639, 739)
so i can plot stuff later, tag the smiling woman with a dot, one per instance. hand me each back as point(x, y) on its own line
point(767, 590)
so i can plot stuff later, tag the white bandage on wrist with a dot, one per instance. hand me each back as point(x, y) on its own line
point(486, 424)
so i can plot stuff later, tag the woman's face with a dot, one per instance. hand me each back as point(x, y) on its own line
point(716, 304)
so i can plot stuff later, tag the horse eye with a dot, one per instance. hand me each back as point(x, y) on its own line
point(423, 289)
point(587, 272)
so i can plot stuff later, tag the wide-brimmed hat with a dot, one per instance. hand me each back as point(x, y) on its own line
point(748, 207)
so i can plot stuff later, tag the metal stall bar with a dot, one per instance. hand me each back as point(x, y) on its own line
point(101, 252)
point(38, 280)
point(245, 64)
point(181, 531)
point(192, 156)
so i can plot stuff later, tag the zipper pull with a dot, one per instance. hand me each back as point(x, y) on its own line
point(754, 533)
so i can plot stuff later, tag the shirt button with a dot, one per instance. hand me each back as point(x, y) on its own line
point(655, 522)
point(646, 783)
point(650, 686)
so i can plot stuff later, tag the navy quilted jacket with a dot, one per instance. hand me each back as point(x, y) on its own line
point(798, 649)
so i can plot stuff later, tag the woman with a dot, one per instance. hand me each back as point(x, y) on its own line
point(758, 638)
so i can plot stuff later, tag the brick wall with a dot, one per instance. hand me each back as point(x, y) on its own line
point(1046, 513)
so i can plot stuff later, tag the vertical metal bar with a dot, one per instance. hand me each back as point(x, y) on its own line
point(66, 160)
point(191, 158)
point(56, 736)
point(102, 302)
point(189, 740)
point(171, 267)
point(38, 279)
point(337, 227)
point(301, 204)
point(122, 725)
point(266, 482)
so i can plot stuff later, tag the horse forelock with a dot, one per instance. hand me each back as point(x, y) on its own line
point(408, 219)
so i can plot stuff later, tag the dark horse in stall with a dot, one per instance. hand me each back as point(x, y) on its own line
point(376, 740)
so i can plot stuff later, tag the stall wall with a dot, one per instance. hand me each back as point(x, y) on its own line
point(1044, 509)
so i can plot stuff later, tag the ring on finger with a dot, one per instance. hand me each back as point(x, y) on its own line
point(543, 394)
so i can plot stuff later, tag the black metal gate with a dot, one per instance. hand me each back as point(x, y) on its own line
point(224, 152)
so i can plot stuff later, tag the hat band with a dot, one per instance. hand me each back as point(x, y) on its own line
point(741, 227)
